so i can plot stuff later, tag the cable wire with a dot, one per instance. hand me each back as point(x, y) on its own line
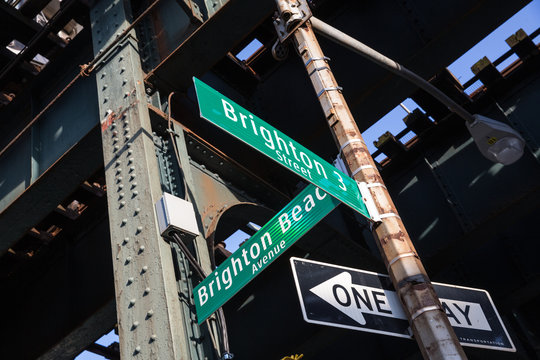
point(202, 274)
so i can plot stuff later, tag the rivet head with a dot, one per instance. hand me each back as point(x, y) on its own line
point(130, 280)
point(130, 160)
point(144, 268)
point(150, 313)
point(118, 163)
point(116, 147)
point(122, 203)
point(141, 248)
point(135, 324)
point(121, 195)
point(138, 349)
point(120, 187)
point(134, 184)
point(146, 291)
point(135, 193)
point(128, 259)
point(128, 137)
point(126, 240)
point(153, 337)
point(132, 168)
point(130, 151)
point(132, 302)
point(124, 221)
point(137, 210)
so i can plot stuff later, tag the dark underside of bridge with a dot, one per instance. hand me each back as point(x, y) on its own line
point(473, 222)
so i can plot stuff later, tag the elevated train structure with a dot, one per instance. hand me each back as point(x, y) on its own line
point(105, 119)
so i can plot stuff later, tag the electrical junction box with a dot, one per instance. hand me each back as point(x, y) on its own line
point(175, 214)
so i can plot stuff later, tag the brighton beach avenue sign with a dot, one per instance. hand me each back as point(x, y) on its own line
point(274, 238)
point(242, 124)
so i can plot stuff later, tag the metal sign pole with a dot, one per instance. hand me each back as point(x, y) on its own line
point(429, 323)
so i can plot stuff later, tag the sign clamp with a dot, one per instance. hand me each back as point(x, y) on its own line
point(368, 200)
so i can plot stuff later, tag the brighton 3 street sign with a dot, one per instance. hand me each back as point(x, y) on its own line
point(242, 124)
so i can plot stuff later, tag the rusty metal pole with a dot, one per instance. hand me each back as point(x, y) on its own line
point(429, 323)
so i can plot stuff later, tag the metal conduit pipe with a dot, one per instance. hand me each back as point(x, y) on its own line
point(347, 41)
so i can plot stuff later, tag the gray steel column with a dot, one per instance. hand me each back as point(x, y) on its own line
point(148, 309)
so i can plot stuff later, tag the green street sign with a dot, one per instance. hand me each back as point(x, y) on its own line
point(272, 240)
point(242, 124)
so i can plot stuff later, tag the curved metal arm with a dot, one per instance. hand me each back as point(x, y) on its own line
point(343, 39)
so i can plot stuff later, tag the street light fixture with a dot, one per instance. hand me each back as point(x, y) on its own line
point(496, 140)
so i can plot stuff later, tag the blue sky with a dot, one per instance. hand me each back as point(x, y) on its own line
point(492, 46)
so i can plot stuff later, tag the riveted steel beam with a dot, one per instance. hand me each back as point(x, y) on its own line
point(233, 21)
point(148, 309)
point(45, 194)
point(91, 328)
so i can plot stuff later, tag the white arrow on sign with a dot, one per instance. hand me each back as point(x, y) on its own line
point(356, 300)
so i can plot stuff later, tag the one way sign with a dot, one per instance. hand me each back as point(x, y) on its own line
point(366, 301)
